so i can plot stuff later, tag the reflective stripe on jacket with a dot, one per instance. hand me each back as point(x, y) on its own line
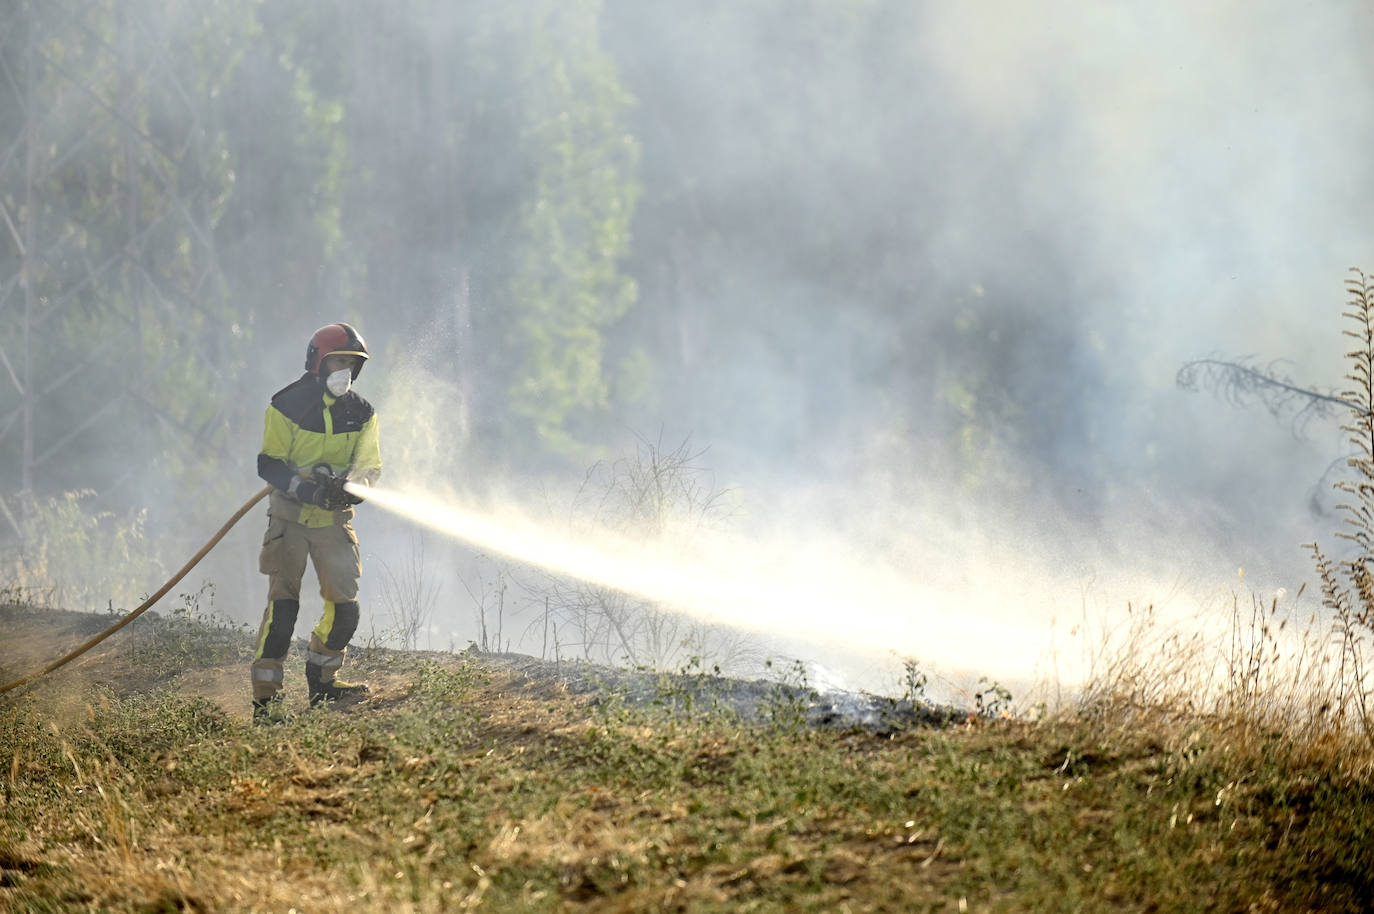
point(306, 426)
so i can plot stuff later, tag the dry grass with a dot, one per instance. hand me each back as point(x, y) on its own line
point(460, 786)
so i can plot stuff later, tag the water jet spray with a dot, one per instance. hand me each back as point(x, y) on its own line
point(817, 594)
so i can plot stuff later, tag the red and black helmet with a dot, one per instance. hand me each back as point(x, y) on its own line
point(335, 339)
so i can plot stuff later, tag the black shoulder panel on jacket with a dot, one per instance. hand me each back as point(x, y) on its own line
point(275, 471)
point(302, 401)
point(349, 412)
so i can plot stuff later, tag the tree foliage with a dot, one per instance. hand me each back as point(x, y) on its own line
point(568, 286)
point(576, 222)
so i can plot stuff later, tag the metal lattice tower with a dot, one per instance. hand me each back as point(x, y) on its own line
point(108, 268)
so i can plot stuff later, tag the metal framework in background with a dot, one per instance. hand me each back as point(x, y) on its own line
point(102, 168)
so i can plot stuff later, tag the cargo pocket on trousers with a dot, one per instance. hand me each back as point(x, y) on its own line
point(269, 560)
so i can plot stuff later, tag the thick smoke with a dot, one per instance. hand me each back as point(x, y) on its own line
point(1073, 202)
point(1103, 195)
point(917, 278)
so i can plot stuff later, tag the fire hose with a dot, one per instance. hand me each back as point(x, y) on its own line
point(72, 655)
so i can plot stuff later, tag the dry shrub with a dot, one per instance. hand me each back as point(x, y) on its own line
point(73, 554)
point(1274, 678)
point(660, 495)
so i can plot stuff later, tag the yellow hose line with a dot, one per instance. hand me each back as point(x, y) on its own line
point(146, 603)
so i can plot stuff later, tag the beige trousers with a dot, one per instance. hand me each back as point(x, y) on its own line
point(333, 551)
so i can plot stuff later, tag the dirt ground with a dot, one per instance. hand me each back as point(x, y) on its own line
point(215, 666)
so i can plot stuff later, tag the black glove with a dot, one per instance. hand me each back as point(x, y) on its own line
point(335, 495)
point(309, 492)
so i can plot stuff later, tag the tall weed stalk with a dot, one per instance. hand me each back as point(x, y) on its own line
point(1347, 584)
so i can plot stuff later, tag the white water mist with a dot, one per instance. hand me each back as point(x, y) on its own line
point(1006, 621)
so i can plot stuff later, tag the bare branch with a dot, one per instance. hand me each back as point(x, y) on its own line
point(1240, 383)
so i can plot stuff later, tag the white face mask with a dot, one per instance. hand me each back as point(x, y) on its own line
point(338, 382)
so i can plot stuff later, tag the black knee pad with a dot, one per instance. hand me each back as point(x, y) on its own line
point(278, 639)
point(345, 624)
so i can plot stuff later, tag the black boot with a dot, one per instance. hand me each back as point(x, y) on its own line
point(330, 691)
point(269, 710)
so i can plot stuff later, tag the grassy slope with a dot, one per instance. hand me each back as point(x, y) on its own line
point(134, 782)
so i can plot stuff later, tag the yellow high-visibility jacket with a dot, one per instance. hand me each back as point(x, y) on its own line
point(306, 426)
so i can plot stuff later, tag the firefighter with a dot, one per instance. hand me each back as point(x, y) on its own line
point(318, 435)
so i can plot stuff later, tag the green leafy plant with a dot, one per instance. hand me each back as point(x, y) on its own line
point(788, 700)
point(914, 680)
point(191, 633)
point(992, 701)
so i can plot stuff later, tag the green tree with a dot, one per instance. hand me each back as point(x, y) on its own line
point(569, 285)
